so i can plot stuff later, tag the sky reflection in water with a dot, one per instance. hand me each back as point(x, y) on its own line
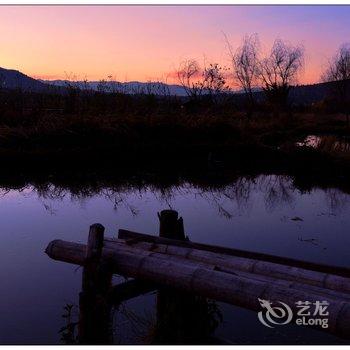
point(265, 214)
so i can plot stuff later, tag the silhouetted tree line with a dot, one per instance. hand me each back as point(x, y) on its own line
point(273, 73)
point(338, 72)
point(264, 80)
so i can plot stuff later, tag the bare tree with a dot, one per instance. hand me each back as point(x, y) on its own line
point(279, 71)
point(197, 81)
point(338, 72)
point(245, 63)
point(190, 77)
point(214, 81)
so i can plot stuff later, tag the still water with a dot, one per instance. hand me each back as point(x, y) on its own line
point(264, 214)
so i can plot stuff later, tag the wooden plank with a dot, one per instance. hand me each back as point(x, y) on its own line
point(336, 270)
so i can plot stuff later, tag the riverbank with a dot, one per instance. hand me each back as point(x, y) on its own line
point(186, 144)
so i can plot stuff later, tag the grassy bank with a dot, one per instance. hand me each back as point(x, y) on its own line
point(198, 133)
point(51, 143)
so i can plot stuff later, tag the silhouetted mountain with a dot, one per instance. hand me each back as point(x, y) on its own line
point(309, 94)
point(132, 87)
point(13, 79)
point(301, 94)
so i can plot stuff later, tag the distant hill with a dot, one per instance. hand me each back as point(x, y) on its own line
point(308, 94)
point(13, 79)
point(132, 87)
point(301, 94)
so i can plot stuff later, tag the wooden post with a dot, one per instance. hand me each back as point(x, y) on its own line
point(94, 312)
point(170, 225)
point(92, 258)
point(181, 318)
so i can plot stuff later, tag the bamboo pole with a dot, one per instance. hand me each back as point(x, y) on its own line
point(269, 279)
point(213, 284)
point(227, 262)
point(141, 237)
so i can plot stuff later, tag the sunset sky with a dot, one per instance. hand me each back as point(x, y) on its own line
point(148, 42)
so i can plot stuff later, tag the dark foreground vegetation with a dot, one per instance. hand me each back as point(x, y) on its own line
point(97, 130)
point(190, 145)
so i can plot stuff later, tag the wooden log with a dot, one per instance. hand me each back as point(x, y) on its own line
point(272, 280)
point(74, 256)
point(227, 262)
point(75, 250)
point(292, 285)
point(146, 251)
point(217, 285)
point(320, 292)
point(135, 236)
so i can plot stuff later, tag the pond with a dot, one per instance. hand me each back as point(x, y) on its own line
point(263, 214)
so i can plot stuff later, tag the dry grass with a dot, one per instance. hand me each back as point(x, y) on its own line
point(85, 126)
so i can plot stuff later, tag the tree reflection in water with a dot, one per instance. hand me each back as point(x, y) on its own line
point(229, 200)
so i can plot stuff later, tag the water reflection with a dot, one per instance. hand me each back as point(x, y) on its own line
point(328, 143)
point(228, 201)
point(178, 318)
point(256, 213)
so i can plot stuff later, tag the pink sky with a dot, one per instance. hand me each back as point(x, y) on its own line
point(147, 42)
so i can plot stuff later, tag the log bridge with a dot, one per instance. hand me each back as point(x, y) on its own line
point(170, 260)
